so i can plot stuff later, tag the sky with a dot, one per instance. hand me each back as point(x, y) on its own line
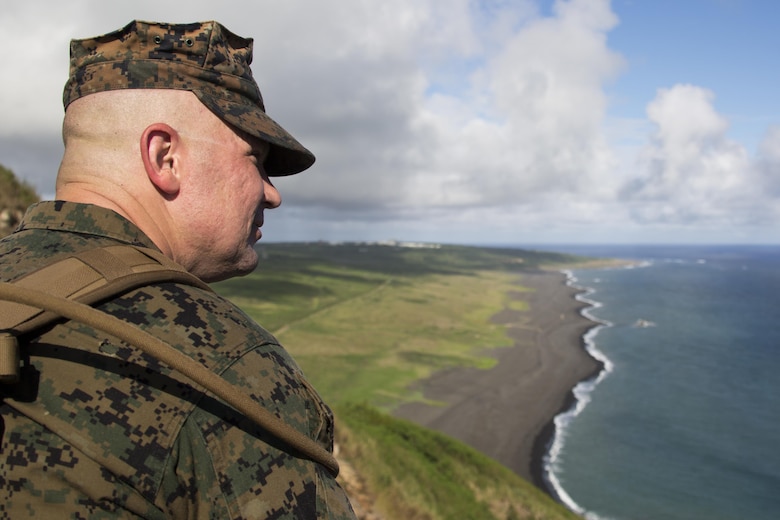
point(472, 122)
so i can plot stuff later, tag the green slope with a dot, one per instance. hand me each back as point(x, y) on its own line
point(365, 322)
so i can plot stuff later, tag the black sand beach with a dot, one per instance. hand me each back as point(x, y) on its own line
point(507, 412)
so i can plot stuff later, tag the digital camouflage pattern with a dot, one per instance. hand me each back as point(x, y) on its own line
point(97, 429)
point(204, 58)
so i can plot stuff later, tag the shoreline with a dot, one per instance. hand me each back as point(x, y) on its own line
point(508, 412)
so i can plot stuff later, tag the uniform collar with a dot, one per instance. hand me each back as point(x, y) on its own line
point(86, 219)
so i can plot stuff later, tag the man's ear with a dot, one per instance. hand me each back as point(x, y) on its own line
point(160, 154)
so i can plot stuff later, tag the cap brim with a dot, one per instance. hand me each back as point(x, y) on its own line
point(286, 156)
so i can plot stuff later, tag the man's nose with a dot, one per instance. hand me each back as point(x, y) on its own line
point(272, 197)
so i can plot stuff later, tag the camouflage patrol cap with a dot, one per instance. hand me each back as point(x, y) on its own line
point(204, 58)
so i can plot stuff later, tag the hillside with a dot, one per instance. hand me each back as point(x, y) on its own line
point(367, 321)
point(15, 196)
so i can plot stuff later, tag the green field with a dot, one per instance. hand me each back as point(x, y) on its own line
point(367, 321)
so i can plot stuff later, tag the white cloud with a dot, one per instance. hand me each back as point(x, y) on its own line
point(433, 115)
point(768, 168)
point(691, 171)
point(530, 122)
point(31, 90)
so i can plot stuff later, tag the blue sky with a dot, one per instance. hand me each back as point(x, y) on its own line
point(725, 45)
point(503, 121)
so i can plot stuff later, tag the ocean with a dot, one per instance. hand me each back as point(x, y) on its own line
point(684, 420)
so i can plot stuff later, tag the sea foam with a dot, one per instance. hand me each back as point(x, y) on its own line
point(582, 396)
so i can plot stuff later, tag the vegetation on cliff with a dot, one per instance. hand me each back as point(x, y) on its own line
point(15, 196)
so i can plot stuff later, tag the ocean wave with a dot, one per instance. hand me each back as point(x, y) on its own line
point(582, 396)
point(639, 265)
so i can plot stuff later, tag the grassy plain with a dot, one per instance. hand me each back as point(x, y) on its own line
point(367, 321)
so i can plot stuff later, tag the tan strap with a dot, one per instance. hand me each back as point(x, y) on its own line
point(91, 276)
point(9, 358)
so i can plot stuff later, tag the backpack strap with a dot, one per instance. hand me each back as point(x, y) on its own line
point(91, 276)
point(87, 277)
point(68, 288)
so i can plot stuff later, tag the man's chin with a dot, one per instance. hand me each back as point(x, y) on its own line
point(247, 264)
point(243, 267)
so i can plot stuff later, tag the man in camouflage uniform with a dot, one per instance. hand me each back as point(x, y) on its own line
point(167, 146)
